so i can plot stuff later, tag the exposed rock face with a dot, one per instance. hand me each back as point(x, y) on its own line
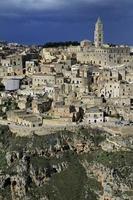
point(11, 157)
point(88, 164)
point(110, 181)
point(3, 180)
point(18, 187)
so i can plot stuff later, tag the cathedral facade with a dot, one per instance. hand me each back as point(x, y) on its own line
point(103, 55)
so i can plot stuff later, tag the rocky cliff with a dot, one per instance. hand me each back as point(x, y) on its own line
point(88, 164)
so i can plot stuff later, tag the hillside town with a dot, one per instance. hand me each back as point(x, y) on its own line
point(66, 120)
point(87, 83)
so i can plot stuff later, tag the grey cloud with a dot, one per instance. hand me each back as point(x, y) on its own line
point(43, 4)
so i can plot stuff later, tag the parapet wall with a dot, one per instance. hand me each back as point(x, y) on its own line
point(22, 131)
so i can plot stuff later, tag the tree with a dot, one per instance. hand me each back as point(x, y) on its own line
point(80, 115)
point(61, 44)
point(73, 118)
point(72, 109)
point(2, 87)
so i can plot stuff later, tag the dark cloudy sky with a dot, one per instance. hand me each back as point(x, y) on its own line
point(40, 21)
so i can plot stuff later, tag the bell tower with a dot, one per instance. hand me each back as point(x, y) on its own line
point(98, 34)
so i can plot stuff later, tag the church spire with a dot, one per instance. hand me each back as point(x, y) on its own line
point(99, 20)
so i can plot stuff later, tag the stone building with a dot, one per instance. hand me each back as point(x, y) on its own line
point(3, 72)
point(22, 104)
point(79, 85)
point(103, 55)
point(22, 118)
point(91, 100)
point(17, 62)
point(109, 89)
point(41, 105)
point(85, 44)
point(61, 111)
point(94, 115)
point(5, 62)
point(47, 56)
point(43, 79)
point(31, 67)
point(126, 89)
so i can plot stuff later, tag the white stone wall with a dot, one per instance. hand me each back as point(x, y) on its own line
point(40, 80)
point(110, 89)
point(105, 56)
point(94, 117)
